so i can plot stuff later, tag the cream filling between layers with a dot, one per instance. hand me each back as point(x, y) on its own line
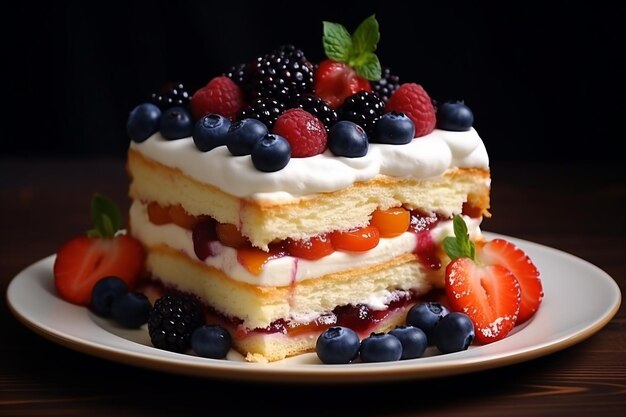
point(286, 270)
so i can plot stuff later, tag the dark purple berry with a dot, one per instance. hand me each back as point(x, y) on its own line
point(176, 123)
point(363, 108)
point(103, 293)
point(426, 316)
point(143, 122)
point(394, 128)
point(454, 333)
point(202, 234)
point(271, 153)
point(243, 135)
point(173, 94)
point(347, 139)
point(264, 109)
point(337, 345)
point(454, 116)
point(413, 339)
point(211, 341)
point(387, 85)
point(131, 309)
point(210, 132)
point(380, 347)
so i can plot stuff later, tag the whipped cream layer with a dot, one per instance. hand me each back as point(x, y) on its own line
point(424, 157)
point(285, 270)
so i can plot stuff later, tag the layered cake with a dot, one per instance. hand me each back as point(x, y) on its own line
point(290, 197)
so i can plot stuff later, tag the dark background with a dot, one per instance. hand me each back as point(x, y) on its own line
point(544, 80)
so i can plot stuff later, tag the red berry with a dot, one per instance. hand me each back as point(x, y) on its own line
point(504, 253)
point(83, 261)
point(221, 95)
point(335, 81)
point(305, 133)
point(312, 249)
point(488, 294)
point(412, 100)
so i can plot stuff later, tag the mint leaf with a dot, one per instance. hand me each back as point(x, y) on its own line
point(459, 246)
point(105, 215)
point(367, 66)
point(365, 38)
point(337, 42)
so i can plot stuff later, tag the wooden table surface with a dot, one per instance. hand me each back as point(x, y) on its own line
point(577, 208)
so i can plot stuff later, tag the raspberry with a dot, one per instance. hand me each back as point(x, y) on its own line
point(305, 133)
point(221, 95)
point(412, 100)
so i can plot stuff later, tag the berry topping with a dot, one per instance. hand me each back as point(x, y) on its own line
point(455, 116)
point(103, 293)
point(143, 122)
point(172, 94)
point(413, 340)
point(221, 95)
point(176, 123)
point(211, 341)
point(283, 74)
point(488, 294)
point(172, 321)
point(347, 139)
point(363, 108)
point(318, 108)
point(265, 109)
point(380, 347)
point(82, 261)
point(453, 333)
point(412, 100)
point(351, 61)
point(425, 316)
point(387, 85)
point(505, 253)
point(210, 132)
point(243, 135)
point(306, 133)
point(337, 345)
point(202, 234)
point(131, 309)
point(271, 153)
point(394, 128)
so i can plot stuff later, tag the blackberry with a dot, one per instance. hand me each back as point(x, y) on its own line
point(172, 94)
point(284, 74)
point(363, 108)
point(172, 321)
point(387, 85)
point(265, 109)
point(240, 75)
point(318, 108)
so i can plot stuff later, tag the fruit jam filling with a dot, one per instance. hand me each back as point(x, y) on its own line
point(383, 224)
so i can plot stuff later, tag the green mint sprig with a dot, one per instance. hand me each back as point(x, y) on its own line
point(106, 217)
point(459, 246)
point(356, 50)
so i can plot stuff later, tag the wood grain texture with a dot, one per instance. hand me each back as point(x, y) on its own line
point(572, 207)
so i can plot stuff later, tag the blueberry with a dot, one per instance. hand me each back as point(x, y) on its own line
point(337, 345)
point(243, 135)
point(413, 339)
point(103, 293)
point(426, 316)
point(143, 122)
point(211, 341)
point(176, 123)
point(454, 333)
point(394, 128)
point(347, 139)
point(455, 116)
point(380, 347)
point(131, 309)
point(210, 132)
point(271, 153)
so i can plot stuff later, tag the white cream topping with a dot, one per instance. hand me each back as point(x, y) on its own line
point(424, 157)
point(287, 269)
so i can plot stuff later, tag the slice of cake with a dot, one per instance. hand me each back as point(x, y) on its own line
point(288, 206)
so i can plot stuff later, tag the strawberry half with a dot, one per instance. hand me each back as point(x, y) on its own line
point(488, 294)
point(510, 256)
point(84, 260)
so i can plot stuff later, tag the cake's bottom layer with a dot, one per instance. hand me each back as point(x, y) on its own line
point(271, 323)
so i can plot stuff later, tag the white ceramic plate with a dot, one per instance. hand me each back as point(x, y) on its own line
point(579, 300)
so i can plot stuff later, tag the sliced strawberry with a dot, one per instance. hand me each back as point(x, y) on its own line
point(489, 295)
point(504, 253)
point(335, 81)
point(84, 260)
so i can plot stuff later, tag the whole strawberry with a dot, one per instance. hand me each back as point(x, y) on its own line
point(83, 260)
point(412, 100)
point(305, 133)
point(351, 63)
point(221, 96)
